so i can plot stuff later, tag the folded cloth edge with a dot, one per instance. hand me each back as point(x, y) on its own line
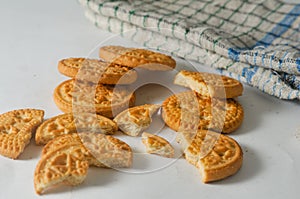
point(264, 79)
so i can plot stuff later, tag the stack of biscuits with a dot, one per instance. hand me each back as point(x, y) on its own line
point(97, 92)
point(200, 115)
point(92, 87)
point(97, 102)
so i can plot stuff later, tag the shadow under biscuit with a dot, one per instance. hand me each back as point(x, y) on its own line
point(252, 167)
point(31, 151)
point(59, 190)
point(98, 177)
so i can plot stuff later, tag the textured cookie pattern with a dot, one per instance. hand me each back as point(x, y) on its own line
point(66, 159)
point(134, 57)
point(210, 85)
point(16, 129)
point(157, 145)
point(106, 100)
point(96, 71)
point(215, 155)
point(64, 165)
point(189, 111)
point(107, 150)
point(67, 124)
point(134, 120)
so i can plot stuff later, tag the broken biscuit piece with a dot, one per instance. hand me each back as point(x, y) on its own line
point(157, 145)
point(16, 128)
point(66, 158)
point(136, 119)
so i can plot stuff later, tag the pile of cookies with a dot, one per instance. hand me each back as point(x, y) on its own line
point(97, 103)
point(200, 115)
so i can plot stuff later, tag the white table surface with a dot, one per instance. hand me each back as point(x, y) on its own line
point(36, 34)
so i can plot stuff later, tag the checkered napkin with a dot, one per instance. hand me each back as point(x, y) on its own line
point(254, 41)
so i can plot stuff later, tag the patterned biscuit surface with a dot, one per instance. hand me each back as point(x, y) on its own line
point(189, 111)
point(107, 150)
point(67, 124)
point(66, 158)
point(60, 142)
point(136, 119)
point(157, 145)
point(16, 130)
point(76, 96)
point(96, 71)
point(66, 164)
point(211, 85)
point(134, 57)
point(215, 155)
point(103, 150)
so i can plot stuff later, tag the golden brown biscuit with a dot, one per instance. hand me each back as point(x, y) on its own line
point(65, 140)
point(210, 85)
point(136, 119)
point(157, 145)
point(107, 150)
point(71, 96)
point(67, 165)
point(66, 158)
point(215, 155)
point(96, 71)
point(16, 130)
point(67, 124)
point(104, 150)
point(134, 57)
point(189, 111)
point(60, 142)
point(185, 138)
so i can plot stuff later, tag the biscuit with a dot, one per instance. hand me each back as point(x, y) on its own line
point(157, 145)
point(107, 150)
point(106, 100)
point(189, 111)
point(96, 71)
point(66, 159)
point(66, 164)
point(60, 142)
point(134, 57)
point(103, 150)
point(134, 120)
point(16, 129)
point(185, 138)
point(215, 155)
point(67, 124)
point(211, 85)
